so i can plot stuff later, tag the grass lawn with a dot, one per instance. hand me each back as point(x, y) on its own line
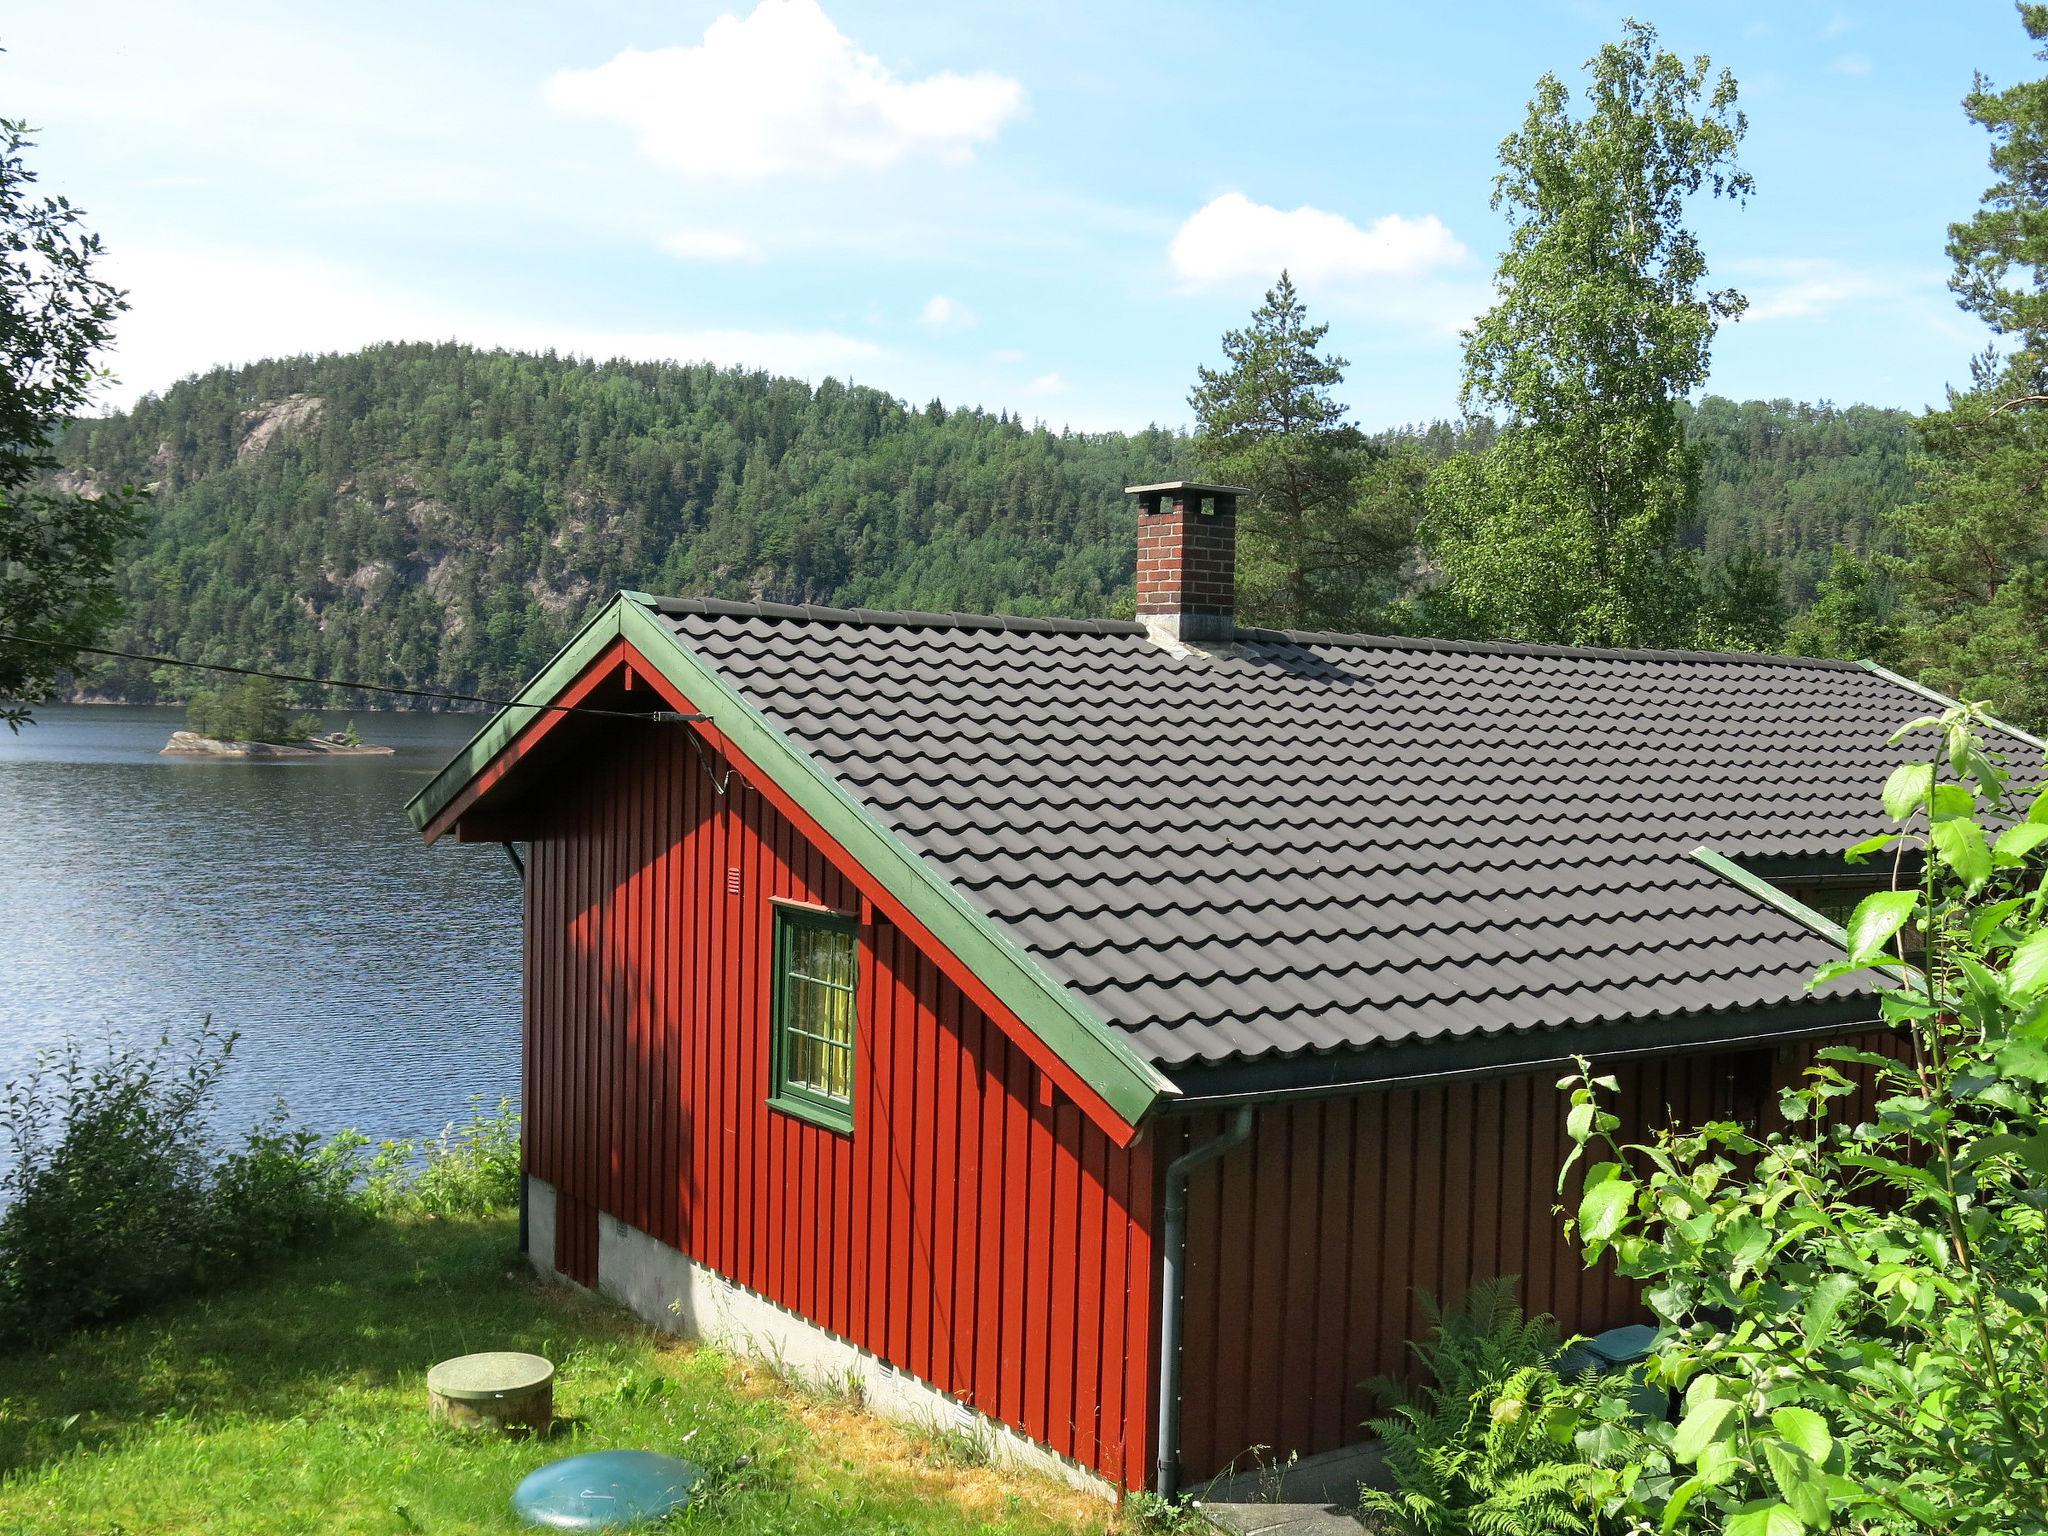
point(295, 1401)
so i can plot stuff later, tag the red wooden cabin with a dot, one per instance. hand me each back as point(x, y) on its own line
point(1099, 1032)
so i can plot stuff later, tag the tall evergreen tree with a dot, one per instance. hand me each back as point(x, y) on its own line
point(1331, 515)
point(1976, 539)
point(1567, 529)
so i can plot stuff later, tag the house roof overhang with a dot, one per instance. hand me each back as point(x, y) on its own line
point(1421, 1063)
point(1081, 1053)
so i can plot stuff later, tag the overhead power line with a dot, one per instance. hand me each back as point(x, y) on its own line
point(657, 716)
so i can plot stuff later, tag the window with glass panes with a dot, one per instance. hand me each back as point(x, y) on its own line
point(816, 981)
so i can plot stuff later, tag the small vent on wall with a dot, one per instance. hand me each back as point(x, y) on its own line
point(732, 880)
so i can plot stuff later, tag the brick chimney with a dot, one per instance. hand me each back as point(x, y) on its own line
point(1187, 559)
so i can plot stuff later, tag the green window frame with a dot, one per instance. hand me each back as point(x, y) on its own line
point(816, 1020)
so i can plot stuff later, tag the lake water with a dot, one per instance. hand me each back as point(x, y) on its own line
point(374, 981)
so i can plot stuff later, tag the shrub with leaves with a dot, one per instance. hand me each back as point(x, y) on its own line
point(1857, 1314)
point(470, 1169)
point(117, 1193)
point(1475, 1448)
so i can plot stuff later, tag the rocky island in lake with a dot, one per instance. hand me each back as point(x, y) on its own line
point(333, 744)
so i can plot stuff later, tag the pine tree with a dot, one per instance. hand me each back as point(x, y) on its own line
point(1976, 567)
point(1331, 516)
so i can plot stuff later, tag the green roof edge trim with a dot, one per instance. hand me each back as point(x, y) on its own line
point(598, 631)
point(1764, 891)
point(1908, 976)
point(1128, 1083)
point(1946, 702)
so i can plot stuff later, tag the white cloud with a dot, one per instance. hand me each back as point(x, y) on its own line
point(1232, 238)
point(944, 314)
point(784, 91)
point(709, 245)
point(1803, 288)
point(1851, 64)
point(191, 309)
point(1840, 24)
point(1047, 384)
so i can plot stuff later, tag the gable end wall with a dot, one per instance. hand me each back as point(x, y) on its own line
point(977, 1230)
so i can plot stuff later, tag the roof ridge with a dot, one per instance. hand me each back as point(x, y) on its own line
point(911, 618)
point(887, 618)
point(1314, 637)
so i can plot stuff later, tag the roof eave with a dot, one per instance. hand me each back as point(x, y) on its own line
point(1422, 1063)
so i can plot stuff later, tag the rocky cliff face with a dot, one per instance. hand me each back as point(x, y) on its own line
point(291, 414)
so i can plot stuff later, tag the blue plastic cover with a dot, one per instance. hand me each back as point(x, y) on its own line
point(600, 1490)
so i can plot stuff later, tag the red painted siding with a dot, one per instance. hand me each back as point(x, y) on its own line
point(977, 1229)
point(1308, 1246)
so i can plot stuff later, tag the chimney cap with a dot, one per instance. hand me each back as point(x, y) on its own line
point(1197, 487)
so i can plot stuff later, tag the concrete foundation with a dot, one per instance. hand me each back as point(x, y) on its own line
point(674, 1292)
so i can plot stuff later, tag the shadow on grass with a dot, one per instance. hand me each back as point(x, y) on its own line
point(363, 1313)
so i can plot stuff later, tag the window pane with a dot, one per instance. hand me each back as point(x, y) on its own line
point(816, 1007)
point(797, 1060)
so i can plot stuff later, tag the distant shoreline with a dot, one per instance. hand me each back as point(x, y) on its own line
point(99, 701)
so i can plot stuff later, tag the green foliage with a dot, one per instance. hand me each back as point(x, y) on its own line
point(293, 1400)
point(57, 542)
point(1742, 604)
point(1975, 574)
point(470, 1169)
point(117, 1194)
point(1567, 528)
point(1849, 618)
point(251, 710)
point(1148, 1513)
point(1472, 1451)
point(1853, 1312)
point(2006, 237)
point(443, 517)
point(1331, 518)
point(1976, 539)
point(1800, 483)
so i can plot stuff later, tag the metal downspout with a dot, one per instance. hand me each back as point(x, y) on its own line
point(1173, 1243)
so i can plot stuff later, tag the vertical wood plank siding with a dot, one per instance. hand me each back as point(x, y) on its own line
point(976, 1230)
point(1308, 1246)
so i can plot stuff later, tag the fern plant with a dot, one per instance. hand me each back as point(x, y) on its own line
point(1469, 1449)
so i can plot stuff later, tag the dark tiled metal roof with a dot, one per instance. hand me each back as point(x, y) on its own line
point(1325, 842)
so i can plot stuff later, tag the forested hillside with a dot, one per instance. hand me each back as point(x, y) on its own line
point(440, 516)
point(1796, 481)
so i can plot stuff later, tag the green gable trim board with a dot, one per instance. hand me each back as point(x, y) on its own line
point(1768, 893)
point(584, 646)
point(1127, 1083)
point(1948, 703)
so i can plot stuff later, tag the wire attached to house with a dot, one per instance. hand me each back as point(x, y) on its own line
point(719, 781)
point(655, 717)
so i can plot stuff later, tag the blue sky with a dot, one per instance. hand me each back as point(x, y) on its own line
point(1052, 208)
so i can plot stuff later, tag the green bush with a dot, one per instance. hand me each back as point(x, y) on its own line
point(1473, 1449)
point(1852, 1309)
point(117, 1193)
point(470, 1169)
